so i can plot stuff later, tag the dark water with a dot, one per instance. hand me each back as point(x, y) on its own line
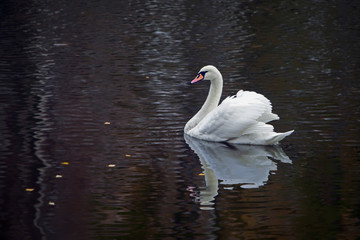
point(66, 69)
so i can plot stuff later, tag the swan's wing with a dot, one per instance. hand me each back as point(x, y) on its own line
point(236, 116)
point(249, 96)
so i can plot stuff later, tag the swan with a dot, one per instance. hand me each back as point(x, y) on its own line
point(242, 118)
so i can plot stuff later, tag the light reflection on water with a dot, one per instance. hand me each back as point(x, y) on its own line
point(66, 69)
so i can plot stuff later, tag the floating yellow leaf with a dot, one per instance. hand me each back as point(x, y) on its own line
point(65, 163)
point(29, 189)
point(111, 165)
point(147, 77)
point(58, 176)
point(127, 155)
point(106, 123)
point(201, 174)
point(51, 203)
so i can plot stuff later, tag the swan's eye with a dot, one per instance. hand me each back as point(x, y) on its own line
point(202, 73)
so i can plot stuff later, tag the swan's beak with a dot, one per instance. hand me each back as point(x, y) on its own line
point(198, 78)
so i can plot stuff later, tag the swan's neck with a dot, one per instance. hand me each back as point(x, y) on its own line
point(213, 98)
point(211, 102)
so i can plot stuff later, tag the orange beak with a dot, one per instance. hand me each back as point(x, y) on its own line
point(198, 78)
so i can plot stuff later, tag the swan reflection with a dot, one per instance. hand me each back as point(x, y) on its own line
point(247, 165)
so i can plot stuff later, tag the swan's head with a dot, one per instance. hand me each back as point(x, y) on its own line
point(208, 72)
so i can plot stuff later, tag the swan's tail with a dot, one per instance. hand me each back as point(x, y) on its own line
point(278, 137)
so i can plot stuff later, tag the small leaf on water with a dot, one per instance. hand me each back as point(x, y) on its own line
point(65, 163)
point(29, 189)
point(111, 165)
point(107, 123)
point(51, 203)
point(201, 174)
point(127, 155)
point(58, 176)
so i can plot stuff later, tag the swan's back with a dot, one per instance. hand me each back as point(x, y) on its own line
point(242, 119)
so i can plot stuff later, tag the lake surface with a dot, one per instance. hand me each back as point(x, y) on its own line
point(94, 96)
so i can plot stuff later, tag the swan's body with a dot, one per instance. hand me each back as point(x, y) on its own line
point(241, 118)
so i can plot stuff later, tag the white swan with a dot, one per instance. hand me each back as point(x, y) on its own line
point(241, 118)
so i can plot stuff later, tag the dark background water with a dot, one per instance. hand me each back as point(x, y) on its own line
point(67, 67)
